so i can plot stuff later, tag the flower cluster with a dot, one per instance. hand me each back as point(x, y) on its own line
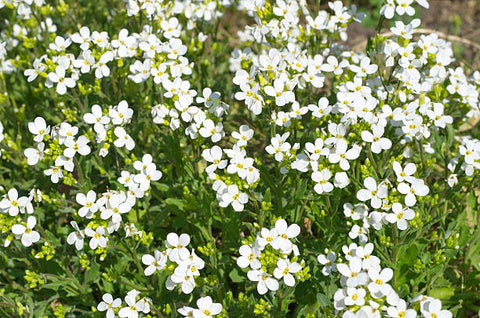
point(105, 213)
point(206, 309)
point(135, 305)
point(23, 8)
point(194, 11)
point(109, 124)
point(388, 202)
point(185, 265)
point(57, 148)
point(268, 257)
point(468, 155)
point(241, 172)
point(366, 291)
point(372, 154)
point(15, 206)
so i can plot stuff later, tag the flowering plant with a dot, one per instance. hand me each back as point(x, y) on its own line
point(158, 160)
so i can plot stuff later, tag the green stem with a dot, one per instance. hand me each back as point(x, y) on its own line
point(395, 248)
point(422, 156)
point(373, 162)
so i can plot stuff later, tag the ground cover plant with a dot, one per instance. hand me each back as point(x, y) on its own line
point(234, 159)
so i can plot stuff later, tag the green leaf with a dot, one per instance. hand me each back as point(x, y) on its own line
point(442, 293)
point(161, 186)
point(180, 204)
point(323, 300)
point(236, 277)
point(268, 196)
point(92, 274)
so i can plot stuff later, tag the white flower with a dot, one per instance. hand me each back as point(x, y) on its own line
point(372, 310)
point(277, 90)
point(341, 180)
point(209, 129)
point(77, 237)
point(355, 296)
point(206, 308)
point(120, 114)
point(439, 119)
point(243, 135)
point(66, 163)
point(39, 128)
point(159, 73)
point(184, 274)
point(233, 196)
point(154, 263)
point(378, 286)
point(178, 244)
point(114, 208)
point(88, 203)
point(133, 306)
point(278, 146)
point(317, 149)
point(96, 118)
point(416, 188)
point(38, 68)
point(267, 237)
point(186, 311)
point(85, 62)
point(60, 44)
point(175, 48)
point(249, 257)
point(364, 68)
point(60, 78)
point(101, 67)
point(321, 178)
point(400, 310)
point(181, 276)
point(342, 156)
point(353, 272)
point(82, 38)
point(73, 146)
point(109, 304)
point(328, 261)
point(29, 236)
point(13, 204)
point(285, 232)
point(332, 65)
point(55, 173)
point(405, 173)
point(265, 281)
point(131, 230)
point(470, 151)
point(321, 109)
point(379, 143)
point(285, 269)
point(171, 28)
point(123, 139)
point(149, 174)
point(372, 192)
point(432, 308)
point(400, 216)
point(66, 131)
point(214, 155)
point(209, 97)
point(452, 180)
point(193, 261)
point(403, 6)
point(388, 10)
point(97, 237)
